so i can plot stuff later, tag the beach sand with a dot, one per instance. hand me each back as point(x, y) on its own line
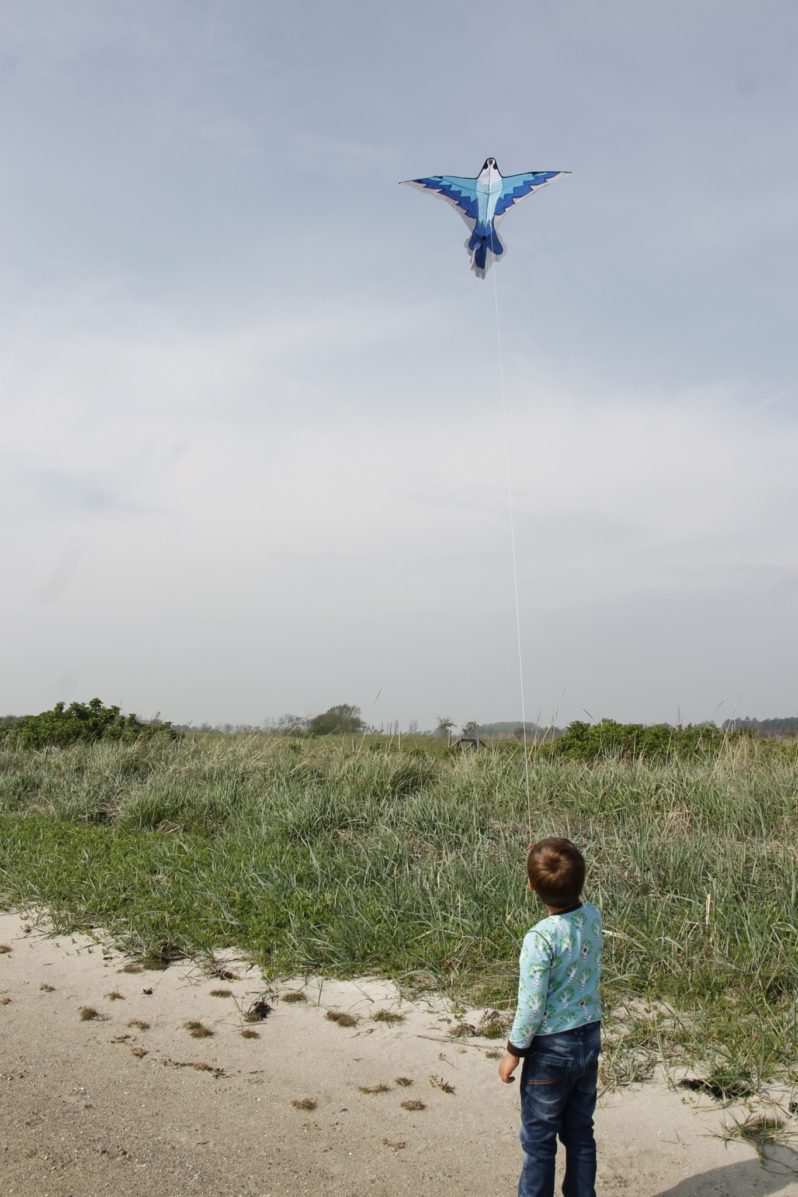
point(101, 1107)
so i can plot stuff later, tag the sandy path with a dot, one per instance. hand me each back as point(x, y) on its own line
point(83, 1116)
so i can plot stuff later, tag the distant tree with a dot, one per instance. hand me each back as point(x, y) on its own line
point(470, 730)
point(445, 726)
point(288, 725)
point(412, 727)
point(341, 720)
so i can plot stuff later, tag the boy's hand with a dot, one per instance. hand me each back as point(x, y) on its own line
point(507, 1067)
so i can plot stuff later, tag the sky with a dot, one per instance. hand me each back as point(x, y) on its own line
point(252, 447)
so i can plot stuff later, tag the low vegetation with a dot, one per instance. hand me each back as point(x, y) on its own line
point(347, 857)
point(80, 722)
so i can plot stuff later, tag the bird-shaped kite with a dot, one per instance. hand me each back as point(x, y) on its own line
point(483, 201)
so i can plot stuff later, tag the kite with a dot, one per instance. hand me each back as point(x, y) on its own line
point(482, 202)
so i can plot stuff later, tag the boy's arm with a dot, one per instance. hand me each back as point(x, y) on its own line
point(534, 967)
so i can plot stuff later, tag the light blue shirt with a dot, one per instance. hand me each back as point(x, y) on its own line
point(560, 970)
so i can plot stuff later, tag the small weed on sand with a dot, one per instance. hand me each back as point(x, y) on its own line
point(722, 1084)
point(249, 1034)
point(139, 1024)
point(115, 996)
point(374, 1088)
point(389, 1016)
point(5, 948)
point(396, 1144)
point(258, 1011)
point(760, 1130)
point(131, 967)
point(342, 1018)
point(45, 988)
point(438, 1082)
point(404, 1081)
point(293, 995)
point(413, 1104)
point(221, 993)
point(304, 1103)
point(197, 1030)
point(88, 1013)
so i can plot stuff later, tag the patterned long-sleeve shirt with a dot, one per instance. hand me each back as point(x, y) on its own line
point(560, 970)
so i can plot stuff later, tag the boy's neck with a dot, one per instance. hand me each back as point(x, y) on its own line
point(562, 909)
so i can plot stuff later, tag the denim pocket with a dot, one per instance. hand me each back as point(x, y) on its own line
point(547, 1071)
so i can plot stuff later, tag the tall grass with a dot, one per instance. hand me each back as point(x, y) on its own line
point(351, 858)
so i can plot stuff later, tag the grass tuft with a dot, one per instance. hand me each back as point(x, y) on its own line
point(389, 1016)
point(197, 1030)
point(342, 1018)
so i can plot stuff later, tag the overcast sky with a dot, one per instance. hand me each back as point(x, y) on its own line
point(252, 458)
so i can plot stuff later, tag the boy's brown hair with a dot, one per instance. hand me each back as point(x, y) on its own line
point(556, 871)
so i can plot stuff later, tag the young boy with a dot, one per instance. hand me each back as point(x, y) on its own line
point(557, 1026)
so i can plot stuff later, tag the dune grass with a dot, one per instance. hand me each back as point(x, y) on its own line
point(349, 858)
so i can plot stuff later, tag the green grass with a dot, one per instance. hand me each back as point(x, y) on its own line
point(347, 858)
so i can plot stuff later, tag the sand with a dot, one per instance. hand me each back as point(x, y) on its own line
point(100, 1106)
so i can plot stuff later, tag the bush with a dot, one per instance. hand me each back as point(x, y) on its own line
point(81, 721)
point(630, 741)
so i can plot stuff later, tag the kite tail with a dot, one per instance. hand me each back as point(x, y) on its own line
point(484, 240)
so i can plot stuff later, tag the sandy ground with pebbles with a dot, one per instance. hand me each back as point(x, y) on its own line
point(130, 1103)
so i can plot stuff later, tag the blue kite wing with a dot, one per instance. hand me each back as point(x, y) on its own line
point(518, 187)
point(460, 193)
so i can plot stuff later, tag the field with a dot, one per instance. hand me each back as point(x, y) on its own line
point(347, 858)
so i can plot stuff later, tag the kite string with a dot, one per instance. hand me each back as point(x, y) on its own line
point(509, 473)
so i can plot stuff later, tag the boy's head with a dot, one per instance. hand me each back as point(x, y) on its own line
point(556, 871)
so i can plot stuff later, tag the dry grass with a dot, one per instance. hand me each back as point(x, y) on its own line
point(246, 1033)
point(381, 1088)
point(389, 1016)
point(304, 1103)
point(413, 1103)
point(139, 1024)
point(115, 996)
point(342, 1018)
point(404, 1081)
point(45, 988)
point(88, 1013)
point(221, 993)
point(293, 995)
point(259, 1011)
point(197, 1030)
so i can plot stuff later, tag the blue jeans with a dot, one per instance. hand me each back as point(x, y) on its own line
point(558, 1097)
